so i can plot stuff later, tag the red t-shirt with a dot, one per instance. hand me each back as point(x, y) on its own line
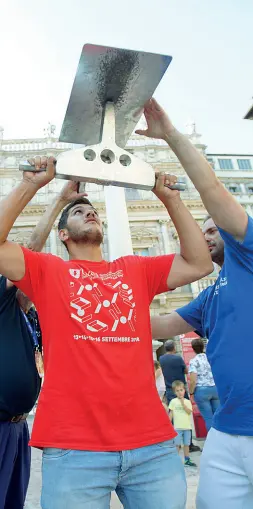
point(99, 391)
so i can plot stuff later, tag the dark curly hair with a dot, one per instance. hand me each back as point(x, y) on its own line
point(65, 213)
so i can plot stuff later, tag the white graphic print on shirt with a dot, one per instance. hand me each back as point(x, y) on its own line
point(200, 365)
point(221, 282)
point(102, 302)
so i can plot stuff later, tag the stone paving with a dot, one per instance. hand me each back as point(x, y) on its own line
point(33, 496)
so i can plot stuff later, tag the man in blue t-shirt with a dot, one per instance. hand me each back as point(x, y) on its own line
point(223, 314)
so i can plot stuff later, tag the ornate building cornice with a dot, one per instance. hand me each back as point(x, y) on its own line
point(138, 205)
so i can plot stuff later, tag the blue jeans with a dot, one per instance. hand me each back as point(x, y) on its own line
point(150, 477)
point(207, 400)
point(183, 436)
point(15, 461)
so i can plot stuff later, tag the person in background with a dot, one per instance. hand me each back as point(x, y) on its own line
point(159, 380)
point(174, 368)
point(180, 411)
point(202, 384)
point(20, 344)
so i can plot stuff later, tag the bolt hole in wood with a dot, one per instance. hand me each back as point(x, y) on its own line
point(107, 156)
point(89, 154)
point(125, 160)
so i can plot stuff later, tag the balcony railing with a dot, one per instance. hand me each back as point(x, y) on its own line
point(206, 282)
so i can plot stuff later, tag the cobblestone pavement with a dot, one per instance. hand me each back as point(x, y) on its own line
point(33, 496)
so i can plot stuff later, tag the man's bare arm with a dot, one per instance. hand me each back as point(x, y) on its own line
point(12, 264)
point(194, 260)
point(168, 326)
point(221, 205)
point(40, 233)
point(69, 193)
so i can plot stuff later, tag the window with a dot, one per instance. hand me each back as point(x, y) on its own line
point(132, 194)
point(225, 164)
point(244, 164)
point(142, 252)
point(233, 188)
point(250, 188)
point(211, 162)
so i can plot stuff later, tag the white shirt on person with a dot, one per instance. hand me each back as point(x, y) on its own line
point(160, 385)
point(200, 365)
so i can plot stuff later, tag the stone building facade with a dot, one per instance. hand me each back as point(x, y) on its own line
point(151, 229)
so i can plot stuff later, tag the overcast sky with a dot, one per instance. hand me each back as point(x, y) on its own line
point(209, 81)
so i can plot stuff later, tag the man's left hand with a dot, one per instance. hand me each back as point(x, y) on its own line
point(161, 190)
point(158, 122)
point(70, 192)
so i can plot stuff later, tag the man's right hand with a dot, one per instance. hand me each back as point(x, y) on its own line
point(12, 263)
point(40, 178)
point(70, 192)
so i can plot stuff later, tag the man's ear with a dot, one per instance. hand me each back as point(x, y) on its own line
point(63, 235)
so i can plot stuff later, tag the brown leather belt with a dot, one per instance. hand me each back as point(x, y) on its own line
point(15, 418)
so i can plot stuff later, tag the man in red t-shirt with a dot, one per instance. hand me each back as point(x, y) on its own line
point(99, 421)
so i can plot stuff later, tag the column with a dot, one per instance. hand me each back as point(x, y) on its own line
point(243, 188)
point(155, 345)
point(249, 210)
point(165, 235)
point(195, 289)
point(118, 229)
point(105, 247)
point(1, 135)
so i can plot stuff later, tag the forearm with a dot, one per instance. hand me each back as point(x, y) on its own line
point(194, 163)
point(12, 206)
point(44, 226)
point(192, 386)
point(221, 205)
point(193, 247)
point(187, 410)
point(168, 326)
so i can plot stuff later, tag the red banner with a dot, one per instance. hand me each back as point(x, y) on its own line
point(188, 354)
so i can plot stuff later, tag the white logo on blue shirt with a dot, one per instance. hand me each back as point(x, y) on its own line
point(222, 282)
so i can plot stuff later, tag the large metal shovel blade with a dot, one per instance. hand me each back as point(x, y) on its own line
point(124, 77)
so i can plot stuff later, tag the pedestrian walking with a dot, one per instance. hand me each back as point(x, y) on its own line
point(202, 385)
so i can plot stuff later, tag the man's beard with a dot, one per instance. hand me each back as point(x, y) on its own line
point(218, 255)
point(92, 237)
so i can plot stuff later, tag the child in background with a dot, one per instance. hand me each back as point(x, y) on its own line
point(180, 412)
point(159, 380)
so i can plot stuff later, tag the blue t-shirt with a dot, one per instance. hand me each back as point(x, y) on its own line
point(173, 368)
point(223, 313)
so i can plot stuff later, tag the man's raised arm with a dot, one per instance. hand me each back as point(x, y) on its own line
point(221, 205)
point(69, 193)
point(168, 326)
point(194, 260)
point(12, 264)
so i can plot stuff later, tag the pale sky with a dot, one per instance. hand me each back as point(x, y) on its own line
point(209, 81)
